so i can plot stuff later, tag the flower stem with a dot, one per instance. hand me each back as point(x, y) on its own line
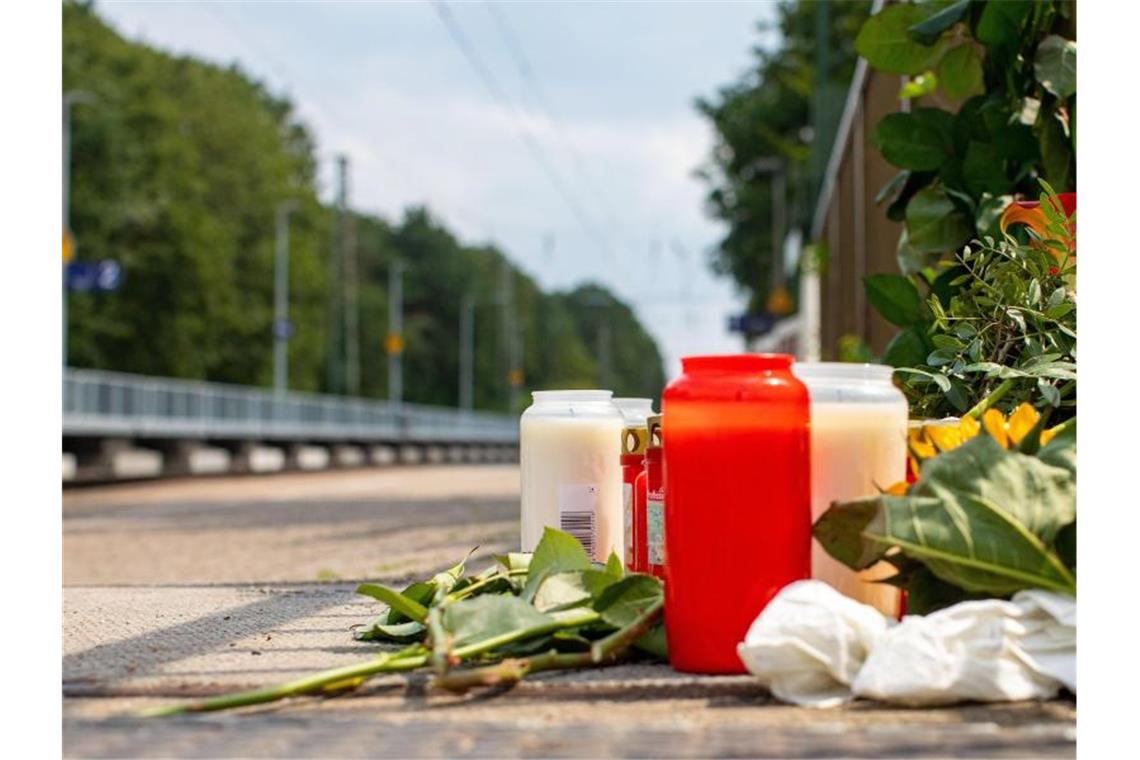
point(346, 677)
point(621, 639)
point(995, 396)
point(606, 650)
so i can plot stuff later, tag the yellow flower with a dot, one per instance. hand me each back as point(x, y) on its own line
point(929, 439)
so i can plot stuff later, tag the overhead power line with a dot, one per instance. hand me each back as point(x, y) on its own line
point(537, 94)
point(533, 146)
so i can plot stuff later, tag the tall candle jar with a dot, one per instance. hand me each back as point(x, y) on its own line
point(570, 457)
point(737, 507)
point(634, 438)
point(858, 449)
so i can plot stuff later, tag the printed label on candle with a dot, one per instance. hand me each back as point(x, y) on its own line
point(578, 513)
point(655, 527)
point(627, 504)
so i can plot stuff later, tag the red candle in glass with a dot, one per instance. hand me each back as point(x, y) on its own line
point(632, 465)
point(639, 547)
point(738, 507)
point(654, 502)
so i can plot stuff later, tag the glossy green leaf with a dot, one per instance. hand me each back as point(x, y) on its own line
point(886, 44)
point(895, 297)
point(1055, 65)
point(557, 552)
point(394, 599)
point(983, 169)
point(910, 260)
point(626, 600)
point(484, 617)
point(1000, 22)
point(960, 72)
point(981, 518)
point(398, 633)
point(893, 187)
point(920, 140)
point(927, 32)
point(934, 224)
point(906, 349)
point(572, 588)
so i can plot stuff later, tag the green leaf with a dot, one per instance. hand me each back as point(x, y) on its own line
point(960, 72)
point(896, 298)
point(839, 530)
point(920, 140)
point(984, 519)
point(484, 617)
point(983, 168)
point(615, 566)
point(884, 42)
point(653, 642)
point(927, 32)
point(926, 592)
point(910, 260)
point(934, 224)
point(941, 357)
point(937, 378)
point(906, 349)
point(1056, 155)
point(893, 187)
point(394, 599)
point(556, 552)
point(1055, 65)
point(399, 633)
point(919, 85)
point(1000, 22)
point(514, 560)
point(1061, 451)
point(987, 220)
point(626, 600)
point(560, 591)
point(1066, 544)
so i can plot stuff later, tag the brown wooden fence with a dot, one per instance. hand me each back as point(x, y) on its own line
point(859, 238)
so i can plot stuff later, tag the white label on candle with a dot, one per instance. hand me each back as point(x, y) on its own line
point(627, 503)
point(578, 513)
point(655, 527)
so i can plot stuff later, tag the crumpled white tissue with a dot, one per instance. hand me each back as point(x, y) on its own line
point(813, 646)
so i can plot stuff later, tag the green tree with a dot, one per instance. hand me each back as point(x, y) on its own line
point(781, 109)
point(178, 169)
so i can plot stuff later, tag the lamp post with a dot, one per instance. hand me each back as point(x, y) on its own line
point(281, 327)
point(467, 352)
point(395, 338)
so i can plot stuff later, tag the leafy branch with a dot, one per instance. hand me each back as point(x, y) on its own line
point(576, 613)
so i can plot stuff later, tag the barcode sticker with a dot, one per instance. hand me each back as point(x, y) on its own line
point(578, 514)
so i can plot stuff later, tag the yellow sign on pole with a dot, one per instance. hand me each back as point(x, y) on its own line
point(779, 301)
point(68, 247)
point(394, 343)
point(515, 377)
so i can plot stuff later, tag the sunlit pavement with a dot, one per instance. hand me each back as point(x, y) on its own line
point(197, 587)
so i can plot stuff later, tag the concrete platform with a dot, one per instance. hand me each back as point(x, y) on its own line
point(194, 588)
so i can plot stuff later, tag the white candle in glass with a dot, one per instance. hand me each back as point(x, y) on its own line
point(570, 457)
point(858, 449)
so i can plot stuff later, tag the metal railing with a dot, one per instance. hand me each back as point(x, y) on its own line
point(98, 403)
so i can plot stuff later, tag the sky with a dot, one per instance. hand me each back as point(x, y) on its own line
point(563, 132)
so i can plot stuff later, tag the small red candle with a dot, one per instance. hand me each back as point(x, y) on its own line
point(654, 502)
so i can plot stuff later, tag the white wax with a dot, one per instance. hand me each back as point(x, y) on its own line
point(857, 450)
point(571, 466)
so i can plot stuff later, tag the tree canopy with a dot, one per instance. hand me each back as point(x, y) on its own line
point(178, 166)
point(787, 108)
